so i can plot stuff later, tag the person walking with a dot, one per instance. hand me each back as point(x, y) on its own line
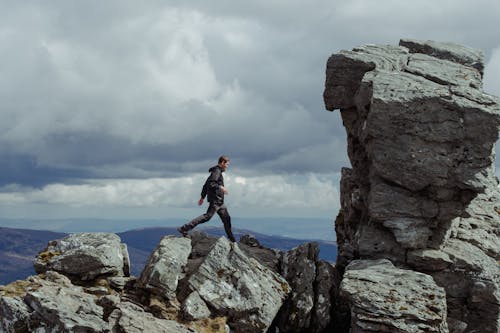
point(214, 190)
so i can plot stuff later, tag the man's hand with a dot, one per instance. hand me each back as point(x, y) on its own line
point(200, 202)
point(224, 189)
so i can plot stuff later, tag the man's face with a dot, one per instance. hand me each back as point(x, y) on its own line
point(224, 164)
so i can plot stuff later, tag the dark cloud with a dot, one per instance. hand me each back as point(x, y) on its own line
point(127, 89)
point(24, 170)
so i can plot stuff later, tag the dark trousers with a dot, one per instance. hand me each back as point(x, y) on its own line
point(221, 210)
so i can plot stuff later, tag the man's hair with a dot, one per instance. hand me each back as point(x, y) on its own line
point(223, 158)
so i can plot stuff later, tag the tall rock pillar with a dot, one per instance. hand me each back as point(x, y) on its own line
point(422, 190)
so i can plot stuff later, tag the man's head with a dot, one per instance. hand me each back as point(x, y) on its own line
point(224, 162)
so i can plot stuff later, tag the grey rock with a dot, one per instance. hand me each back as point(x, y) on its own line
point(15, 315)
point(456, 326)
point(447, 51)
point(373, 242)
point(65, 309)
point(411, 233)
point(165, 265)
point(267, 257)
point(429, 260)
point(385, 298)
point(235, 285)
point(324, 297)
point(481, 226)
point(422, 189)
point(470, 258)
point(345, 70)
point(299, 269)
point(108, 304)
point(250, 240)
point(194, 308)
point(130, 318)
point(84, 256)
point(126, 259)
point(119, 282)
point(443, 71)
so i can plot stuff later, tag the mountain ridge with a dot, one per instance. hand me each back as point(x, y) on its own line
point(18, 247)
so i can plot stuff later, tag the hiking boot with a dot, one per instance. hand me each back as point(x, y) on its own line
point(183, 232)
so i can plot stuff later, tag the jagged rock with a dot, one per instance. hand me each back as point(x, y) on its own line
point(429, 260)
point(250, 240)
point(164, 267)
point(194, 308)
point(481, 226)
point(267, 257)
point(447, 51)
point(384, 298)
point(130, 318)
point(85, 256)
point(50, 305)
point(119, 282)
point(299, 269)
point(108, 304)
point(239, 287)
point(422, 189)
point(15, 316)
point(324, 296)
point(66, 309)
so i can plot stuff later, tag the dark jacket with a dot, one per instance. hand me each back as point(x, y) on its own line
point(212, 186)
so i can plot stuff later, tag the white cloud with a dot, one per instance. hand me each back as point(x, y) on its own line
point(274, 193)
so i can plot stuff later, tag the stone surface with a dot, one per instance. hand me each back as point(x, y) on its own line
point(66, 309)
point(15, 316)
point(447, 51)
point(299, 269)
point(211, 286)
point(324, 298)
point(232, 283)
point(85, 256)
point(384, 298)
point(165, 266)
point(130, 318)
point(422, 190)
point(194, 308)
point(50, 303)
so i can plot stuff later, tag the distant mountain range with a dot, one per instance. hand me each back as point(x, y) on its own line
point(18, 247)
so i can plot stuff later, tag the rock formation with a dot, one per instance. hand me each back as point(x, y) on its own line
point(418, 230)
point(422, 191)
point(197, 284)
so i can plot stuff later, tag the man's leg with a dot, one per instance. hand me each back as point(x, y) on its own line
point(198, 220)
point(226, 220)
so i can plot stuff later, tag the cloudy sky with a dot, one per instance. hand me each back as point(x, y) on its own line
point(116, 109)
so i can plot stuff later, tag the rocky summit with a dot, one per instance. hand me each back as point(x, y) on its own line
point(421, 192)
point(196, 284)
point(418, 229)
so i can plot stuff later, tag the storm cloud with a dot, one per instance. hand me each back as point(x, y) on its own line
point(120, 92)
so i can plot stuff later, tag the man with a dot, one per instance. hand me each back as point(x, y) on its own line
point(214, 189)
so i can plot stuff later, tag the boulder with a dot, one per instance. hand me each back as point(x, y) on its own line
point(50, 303)
point(66, 309)
point(384, 298)
point(85, 256)
point(239, 287)
point(165, 266)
